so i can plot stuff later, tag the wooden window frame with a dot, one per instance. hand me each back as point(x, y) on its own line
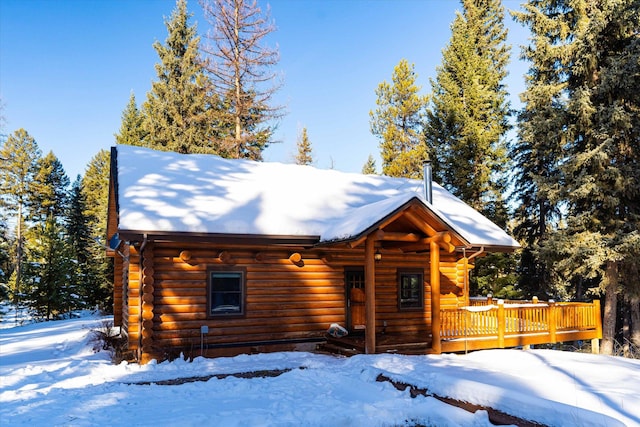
point(243, 292)
point(410, 272)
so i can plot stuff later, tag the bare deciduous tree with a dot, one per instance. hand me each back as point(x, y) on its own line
point(241, 70)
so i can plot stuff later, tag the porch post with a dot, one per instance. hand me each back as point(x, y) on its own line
point(370, 295)
point(434, 252)
point(597, 315)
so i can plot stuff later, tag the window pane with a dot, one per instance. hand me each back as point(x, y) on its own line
point(226, 281)
point(226, 293)
point(355, 279)
point(411, 290)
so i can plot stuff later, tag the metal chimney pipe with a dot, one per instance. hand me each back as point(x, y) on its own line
point(428, 183)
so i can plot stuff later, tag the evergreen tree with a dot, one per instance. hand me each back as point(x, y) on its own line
point(132, 130)
point(240, 66)
point(48, 190)
point(467, 124)
point(5, 260)
point(47, 273)
point(541, 135)
point(304, 156)
point(369, 167)
point(398, 123)
point(82, 280)
point(95, 192)
point(467, 121)
point(176, 114)
point(48, 258)
point(598, 69)
point(18, 154)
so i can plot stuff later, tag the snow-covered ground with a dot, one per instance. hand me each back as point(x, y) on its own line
point(50, 376)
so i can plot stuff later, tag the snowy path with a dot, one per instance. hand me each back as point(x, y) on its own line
point(49, 375)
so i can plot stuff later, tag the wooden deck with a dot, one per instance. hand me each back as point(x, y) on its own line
point(485, 325)
point(513, 324)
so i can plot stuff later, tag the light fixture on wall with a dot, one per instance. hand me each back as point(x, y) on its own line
point(377, 256)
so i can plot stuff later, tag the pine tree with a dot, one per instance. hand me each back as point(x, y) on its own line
point(47, 274)
point(48, 190)
point(597, 67)
point(5, 260)
point(176, 113)
point(82, 277)
point(539, 144)
point(131, 129)
point(369, 168)
point(467, 121)
point(19, 155)
point(48, 258)
point(398, 123)
point(304, 156)
point(466, 128)
point(240, 66)
point(95, 191)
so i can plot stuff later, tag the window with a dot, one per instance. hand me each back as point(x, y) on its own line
point(354, 277)
point(410, 290)
point(226, 293)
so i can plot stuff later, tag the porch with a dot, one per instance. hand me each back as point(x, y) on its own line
point(487, 324)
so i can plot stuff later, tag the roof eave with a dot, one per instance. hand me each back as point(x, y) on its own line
point(223, 238)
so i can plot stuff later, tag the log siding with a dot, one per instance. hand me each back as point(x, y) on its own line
point(288, 299)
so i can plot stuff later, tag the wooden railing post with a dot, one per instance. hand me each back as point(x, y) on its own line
point(595, 342)
point(501, 323)
point(552, 321)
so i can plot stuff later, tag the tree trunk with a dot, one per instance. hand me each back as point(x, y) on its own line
point(634, 302)
point(610, 306)
point(626, 329)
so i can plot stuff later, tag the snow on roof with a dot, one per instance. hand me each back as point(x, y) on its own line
point(169, 192)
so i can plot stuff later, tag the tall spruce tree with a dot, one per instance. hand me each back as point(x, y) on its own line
point(241, 68)
point(47, 274)
point(176, 113)
point(595, 51)
point(95, 191)
point(538, 148)
point(82, 277)
point(468, 117)
point(304, 155)
point(19, 155)
point(398, 123)
point(49, 264)
point(48, 190)
point(466, 128)
point(131, 130)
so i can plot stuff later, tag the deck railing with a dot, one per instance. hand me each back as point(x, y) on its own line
point(499, 325)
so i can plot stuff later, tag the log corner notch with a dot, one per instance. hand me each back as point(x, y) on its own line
point(296, 259)
point(147, 305)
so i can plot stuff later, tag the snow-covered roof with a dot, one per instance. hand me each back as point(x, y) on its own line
point(169, 192)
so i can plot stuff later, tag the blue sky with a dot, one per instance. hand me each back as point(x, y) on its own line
point(67, 68)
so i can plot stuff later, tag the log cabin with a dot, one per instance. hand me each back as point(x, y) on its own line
point(219, 257)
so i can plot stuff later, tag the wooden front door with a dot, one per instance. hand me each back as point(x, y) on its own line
point(354, 284)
